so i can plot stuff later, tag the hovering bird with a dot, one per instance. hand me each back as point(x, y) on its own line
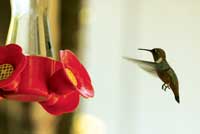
point(161, 68)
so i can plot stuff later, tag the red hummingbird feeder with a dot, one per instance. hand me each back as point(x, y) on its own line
point(28, 72)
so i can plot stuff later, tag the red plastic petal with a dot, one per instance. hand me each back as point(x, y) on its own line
point(12, 54)
point(60, 83)
point(71, 62)
point(58, 105)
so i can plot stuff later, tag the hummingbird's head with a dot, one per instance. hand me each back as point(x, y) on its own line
point(157, 53)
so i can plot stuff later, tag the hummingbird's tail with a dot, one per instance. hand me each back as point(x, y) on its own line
point(177, 99)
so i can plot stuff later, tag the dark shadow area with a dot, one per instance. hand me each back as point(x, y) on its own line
point(4, 20)
point(70, 25)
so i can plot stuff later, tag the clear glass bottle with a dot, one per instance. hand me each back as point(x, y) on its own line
point(29, 27)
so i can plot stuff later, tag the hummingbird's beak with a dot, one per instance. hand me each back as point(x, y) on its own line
point(145, 49)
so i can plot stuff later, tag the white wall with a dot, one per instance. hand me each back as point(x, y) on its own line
point(128, 100)
point(102, 54)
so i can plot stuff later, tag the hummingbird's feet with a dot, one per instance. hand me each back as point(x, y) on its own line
point(165, 86)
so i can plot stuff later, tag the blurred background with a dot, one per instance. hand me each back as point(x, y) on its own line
point(127, 99)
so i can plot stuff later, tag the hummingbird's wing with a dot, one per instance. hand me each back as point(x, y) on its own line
point(148, 66)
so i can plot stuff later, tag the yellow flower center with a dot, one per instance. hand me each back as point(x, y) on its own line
point(71, 77)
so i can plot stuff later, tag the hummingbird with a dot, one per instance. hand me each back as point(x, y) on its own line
point(161, 68)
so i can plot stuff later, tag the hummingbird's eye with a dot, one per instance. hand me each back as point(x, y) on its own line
point(156, 51)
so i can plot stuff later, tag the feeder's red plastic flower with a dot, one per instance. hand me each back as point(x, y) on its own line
point(68, 83)
point(83, 83)
point(56, 85)
point(12, 54)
